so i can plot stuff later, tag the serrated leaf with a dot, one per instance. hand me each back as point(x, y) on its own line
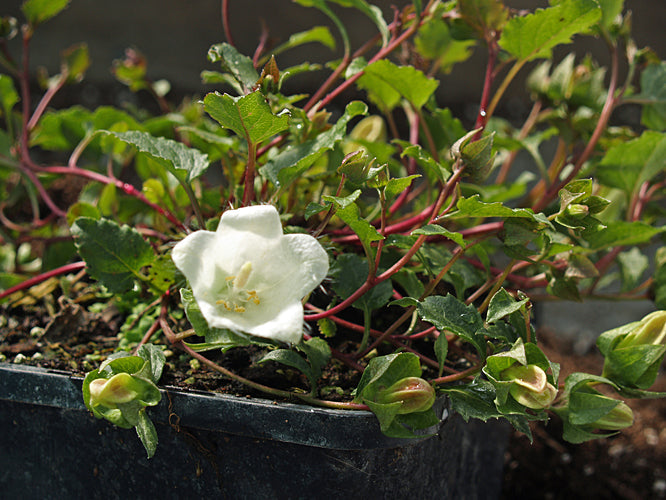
point(474, 207)
point(289, 164)
point(437, 230)
point(397, 185)
point(238, 65)
point(535, 35)
point(249, 116)
point(113, 254)
point(318, 354)
point(450, 314)
point(622, 233)
point(388, 83)
point(175, 156)
point(502, 304)
point(628, 165)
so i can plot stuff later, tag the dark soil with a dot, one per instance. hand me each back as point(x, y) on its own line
point(631, 465)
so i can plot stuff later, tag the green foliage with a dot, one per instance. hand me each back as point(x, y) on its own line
point(439, 238)
point(535, 35)
point(115, 255)
point(388, 83)
point(121, 389)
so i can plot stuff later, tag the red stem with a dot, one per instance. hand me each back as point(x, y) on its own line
point(68, 268)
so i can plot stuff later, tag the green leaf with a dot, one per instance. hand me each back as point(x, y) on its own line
point(114, 254)
point(441, 351)
point(156, 359)
point(437, 230)
point(474, 207)
point(502, 305)
point(175, 156)
point(147, 434)
point(294, 360)
point(653, 89)
point(366, 232)
point(320, 34)
point(484, 16)
point(628, 165)
point(8, 95)
point(239, 66)
point(39, 11)
point(292, 162)
point(450, 314)
point(76, 60)
point(249, 116)
point(535, 35)
point(610, 9)
point(318, 353)
point(622, 233)
point(388, 83)
point(349, 273)
point(435, 42)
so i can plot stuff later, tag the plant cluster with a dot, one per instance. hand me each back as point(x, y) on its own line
point(388, 237)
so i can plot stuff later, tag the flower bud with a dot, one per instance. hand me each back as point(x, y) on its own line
point(530, 386)
point(414, 393)
point(651, 330)
point(113, 391)
point(577, 210)
point(618, 418)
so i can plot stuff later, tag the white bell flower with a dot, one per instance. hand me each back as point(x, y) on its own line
point(248, 276)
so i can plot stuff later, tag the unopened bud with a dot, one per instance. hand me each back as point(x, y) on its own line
point(414, 393)
point(577, 210)
point(530, 386)
point(111, 392)
point(651, 330)
point(618, 418)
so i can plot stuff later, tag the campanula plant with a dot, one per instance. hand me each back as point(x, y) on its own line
point(379, 235)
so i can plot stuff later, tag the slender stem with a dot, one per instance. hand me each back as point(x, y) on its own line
point(458, 376)
point(46, 99)
point(68, 268)
point(248, 190)
point(127, 188)
point(225, 22)
point(247, 382)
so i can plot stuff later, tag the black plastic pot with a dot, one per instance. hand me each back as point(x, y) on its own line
point(222, 446)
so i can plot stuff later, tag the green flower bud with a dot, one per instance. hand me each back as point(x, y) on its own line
point(371, 129)
point(577, 210)
point(414, 393)
point(650, 330)
point(530, 386)
point(618, 418)
point(113, 391)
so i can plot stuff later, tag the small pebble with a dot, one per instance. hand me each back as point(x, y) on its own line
point(19, 358)
point(37, 356)
point(651, 436)
point(659, 487)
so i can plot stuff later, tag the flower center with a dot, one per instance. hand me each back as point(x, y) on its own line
point(236, 296)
